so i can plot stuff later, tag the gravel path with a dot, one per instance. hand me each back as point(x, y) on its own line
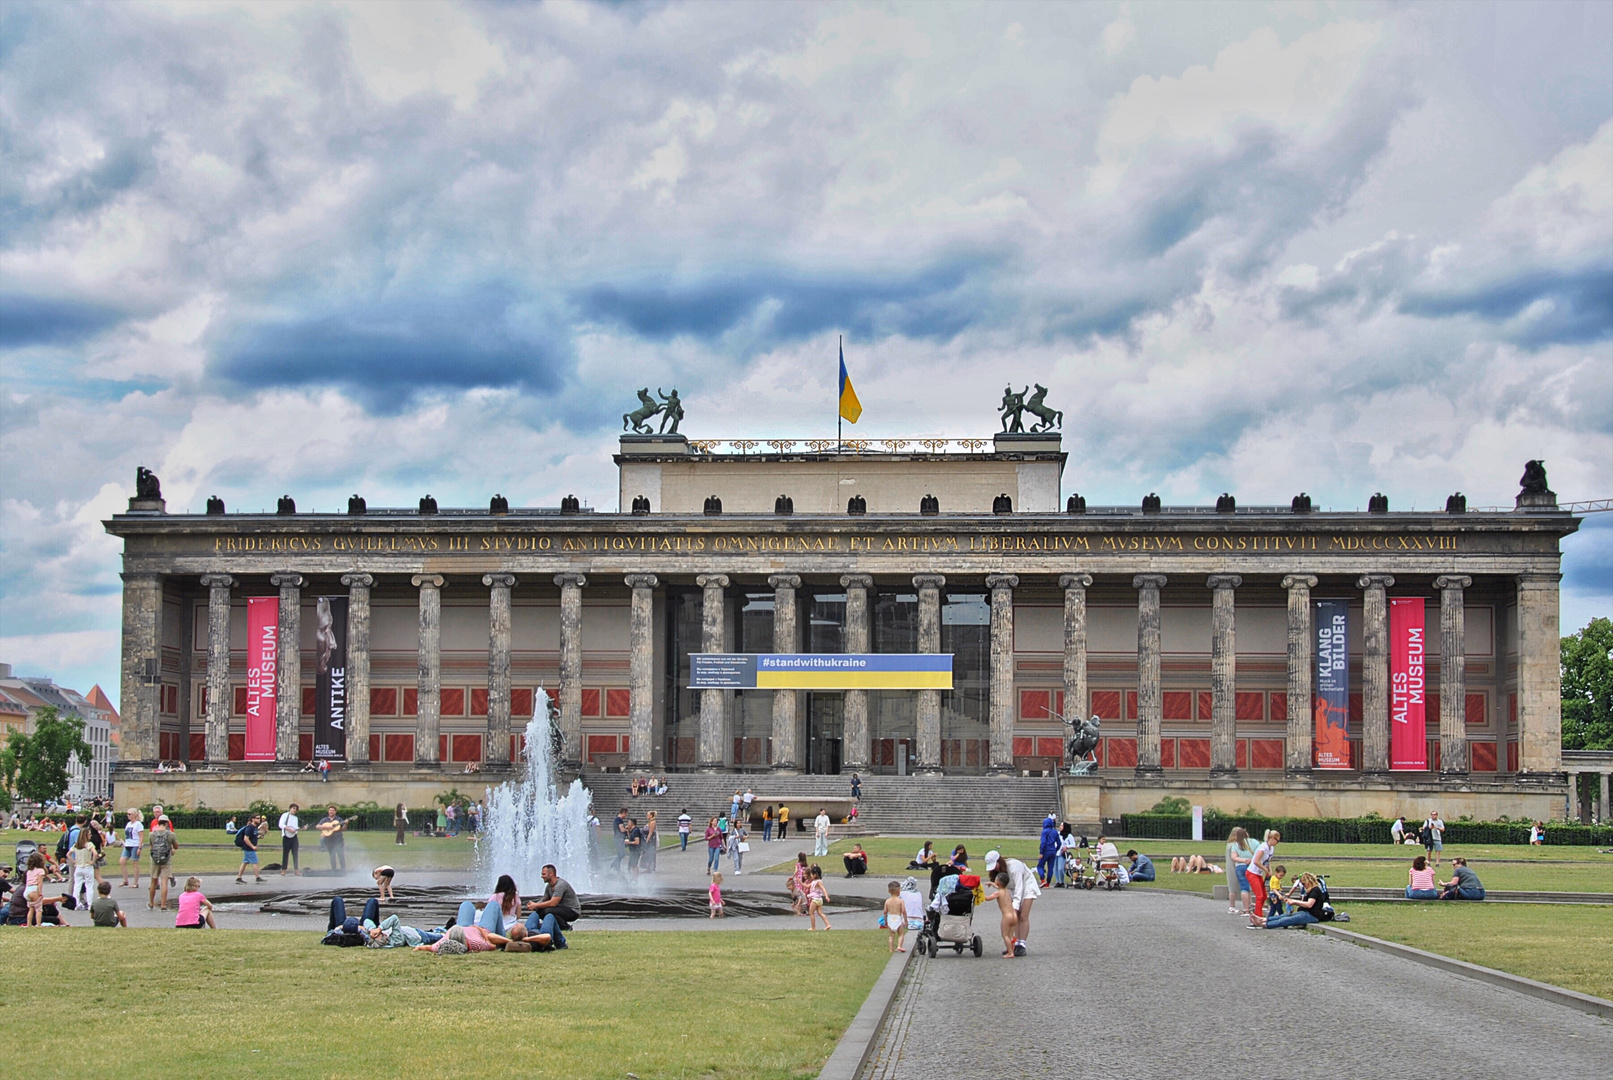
point(1171, 986)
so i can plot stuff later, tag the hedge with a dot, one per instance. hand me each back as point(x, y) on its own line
point(1353, 830)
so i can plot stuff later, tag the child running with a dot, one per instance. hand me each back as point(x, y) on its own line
point(716, 897)
point(1005, 904)
point(896, 916)
point(818, 895)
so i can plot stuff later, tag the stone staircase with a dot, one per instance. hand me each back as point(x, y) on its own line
point(940, 806)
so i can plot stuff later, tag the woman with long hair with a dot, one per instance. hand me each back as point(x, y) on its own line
point(797, 885)
point(400, 821)
point(652, 841)
point(1420, 881)
point(503, 907)
point(1258, 870)
point(1239, 852)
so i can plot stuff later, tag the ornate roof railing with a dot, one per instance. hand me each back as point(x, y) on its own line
point(922, 444)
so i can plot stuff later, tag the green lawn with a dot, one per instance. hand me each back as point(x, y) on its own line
point(1570, 946)
point(739, 1004)
point(887, 855)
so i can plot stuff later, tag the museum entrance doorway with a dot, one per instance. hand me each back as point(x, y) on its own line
point(825, 728)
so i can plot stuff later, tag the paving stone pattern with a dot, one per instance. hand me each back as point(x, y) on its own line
point(1146, 985)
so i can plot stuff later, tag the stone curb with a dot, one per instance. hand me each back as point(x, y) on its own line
point(851, 1052)
point(1583, 1002)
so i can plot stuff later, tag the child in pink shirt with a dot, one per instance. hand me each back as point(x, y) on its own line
point(716, 897)
point(195, 910)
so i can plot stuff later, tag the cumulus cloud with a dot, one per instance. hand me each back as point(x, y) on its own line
point(434, 248)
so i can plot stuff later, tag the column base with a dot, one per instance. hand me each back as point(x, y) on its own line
point(711, 767)
point(786, 768)
point(928, 770)
point(1224, 772)
point(1149, 771)
point(1455, 776)
point(1299, 774)
point(1000, 770)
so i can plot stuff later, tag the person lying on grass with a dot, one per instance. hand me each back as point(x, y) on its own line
point(475, 940)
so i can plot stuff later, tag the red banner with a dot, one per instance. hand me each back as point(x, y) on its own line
point(1408, 686)
point(262, 674)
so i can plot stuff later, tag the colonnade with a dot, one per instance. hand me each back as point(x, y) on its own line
point(1537, 675)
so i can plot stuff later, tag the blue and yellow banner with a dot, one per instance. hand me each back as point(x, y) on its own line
point(850, 407)
point(820, 671)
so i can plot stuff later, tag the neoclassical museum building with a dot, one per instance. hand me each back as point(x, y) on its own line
point(1190, 632)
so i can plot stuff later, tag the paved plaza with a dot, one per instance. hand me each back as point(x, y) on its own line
point(1148, 984)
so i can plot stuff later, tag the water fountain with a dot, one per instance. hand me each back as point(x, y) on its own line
point(531, 822)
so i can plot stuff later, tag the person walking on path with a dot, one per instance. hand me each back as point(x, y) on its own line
point(685, 822)
point(1047, 851)
point(1022, 885)
point(1434, 841)
point(713, 846)
point(856, 786)
point(132, 830)
point(652, 844)
point(820, 833)
point(1239, 852)
point(817, 897)
point(400, 822)
point(894, 917)
point(162, 847)
point(246, 838)
point(767, 823)
point(738, 844)
point(783, 822)
point(289, 828)
point(83, 857)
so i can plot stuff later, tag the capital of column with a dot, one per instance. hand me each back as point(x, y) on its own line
point(1002, 581)
point(1375, 581)
point(1075, 581)
point(1538, 579)
point(1223, 581)
point(712, 581)
point(286, 580)
point(641, 581)
point(424, 581)
point(1299, 581)
point(856, 581)
point(928, 581)
point(576, 580)
point(1148, 581)
point(1452, 581)
point(363, 581)
point(786, 581)
point(217, 581)
point(503, 581)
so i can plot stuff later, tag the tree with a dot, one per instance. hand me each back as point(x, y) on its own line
point(40, 760)
point(1587, 658)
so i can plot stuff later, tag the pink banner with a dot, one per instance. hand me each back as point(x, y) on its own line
point(262, 673)
point(1408, 686)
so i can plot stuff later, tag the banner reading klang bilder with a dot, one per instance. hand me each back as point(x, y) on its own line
point(1332, 706)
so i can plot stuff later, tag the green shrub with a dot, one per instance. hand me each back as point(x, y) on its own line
point(1362, 830)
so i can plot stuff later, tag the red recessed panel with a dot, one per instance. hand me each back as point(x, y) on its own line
point(1193, 753)
point(1131, 704)
point(383, 701)
point(400, 747)
point(618, 702)
point(453, 701)
point(1240, 756)
point(521, 703)
point(198, 746)
point(1355, 711)
point(1279, 707)
point(375, 747)
point(1122, 753)
point(1178, 704)
point(478, 702)
point(411, 701)
point(1268, 753)
point(1167, 753)
point(1250, 705)
point(590, 702)
point(1482, 755)
point(237, 746)
point(1046, 747)
point(1034, 704)
point(305, 747)
point(601, 744)
point(467, 747)
point(308, 701)
point(1475, 710)
point(1024, 746)
point(1512, 756)
point(1106, 704)
point(240, 701)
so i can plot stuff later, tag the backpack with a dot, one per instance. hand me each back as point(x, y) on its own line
point(61, 847)
point(1425, 836)
point(162, 845)
point(240, 838)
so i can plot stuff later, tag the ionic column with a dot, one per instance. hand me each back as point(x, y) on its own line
point(1301, 649)
point(1540, 678)
point(711, 758)
point(288, 689)
point(854, 737)
point(428, 687)
point(1224, 675)
point(1453, 757)
point(1002, 671)
point(496, 744)
point(571, 586)
point(1602, 799)
point(1150, 699)
point(1375, 673)
point(785, 759)
point(928, 750)
point(142, 663)
point(358, 666)
point(1573, 797)
point(641, 671)
point(218, 666)
point(1075, 644)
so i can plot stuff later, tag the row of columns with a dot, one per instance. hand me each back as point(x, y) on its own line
point(1537, 615)
point(1600, 797)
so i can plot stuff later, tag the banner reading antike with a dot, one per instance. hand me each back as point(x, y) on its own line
point(1408, 686)
point(262, 674)
point(1332, 705)
point(330, 682)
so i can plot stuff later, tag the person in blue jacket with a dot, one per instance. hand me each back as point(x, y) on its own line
point(1142, 867)
point(1047, 851)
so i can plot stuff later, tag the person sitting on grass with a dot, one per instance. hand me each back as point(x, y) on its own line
point(1421, 884)
point(559, 908)
point(105, 911)
point(1142, 867)
point(1308, 909)
point(856, 861)
point(1464, 883)
point(894, 916)
point(383, 876)
point(195, 910)
point(926, 857)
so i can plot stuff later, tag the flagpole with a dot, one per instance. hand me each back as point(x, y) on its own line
point(840, 446)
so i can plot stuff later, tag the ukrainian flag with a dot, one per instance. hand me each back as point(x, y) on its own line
point(850, 407)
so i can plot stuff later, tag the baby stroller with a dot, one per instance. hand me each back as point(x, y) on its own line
point(1109, 873)
point(953, 924)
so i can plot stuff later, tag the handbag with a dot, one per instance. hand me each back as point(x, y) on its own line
point(744, 846)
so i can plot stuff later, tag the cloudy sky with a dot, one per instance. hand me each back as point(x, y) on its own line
point(399, 249)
